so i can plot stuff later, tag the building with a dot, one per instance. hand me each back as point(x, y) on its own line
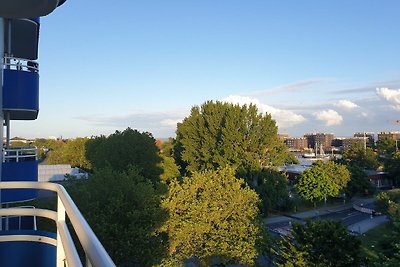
point(296, 144)
point(390, 135)
point(370, 137)
point(347, 143)
point(283, 136)
point(319, 140)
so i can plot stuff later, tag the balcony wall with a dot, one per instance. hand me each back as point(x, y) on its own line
point(21, 94)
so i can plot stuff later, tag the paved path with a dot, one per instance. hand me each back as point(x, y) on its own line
point(355, 221)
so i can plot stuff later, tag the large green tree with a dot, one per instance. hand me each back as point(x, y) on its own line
point(122, 150)
point(72, 152)
point(392, 166)
point(322, 180)
point(319, 243)
point(361, 157)
point(386, 146)
point(213, 214)
point(219, 134)
point(272, 187)
point(123, 209)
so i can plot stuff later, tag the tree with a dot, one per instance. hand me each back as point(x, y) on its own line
point(319, 243)
point(322, 180)
point(221, 134)
point(386, 146)
point(170, 170)
point(273, 191)
point(122, 150)
point(213, 214)
point(72, 152)
point(392, 166)
point(364, 158)
point(359, 183)
point(123, 209)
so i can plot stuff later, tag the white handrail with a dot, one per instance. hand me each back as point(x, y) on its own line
point(20, 64)
point(19, 153)
point(94, 250)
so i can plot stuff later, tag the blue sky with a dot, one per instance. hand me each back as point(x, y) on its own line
point(314, 65)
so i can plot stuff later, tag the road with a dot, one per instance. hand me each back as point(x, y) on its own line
point(354, 220)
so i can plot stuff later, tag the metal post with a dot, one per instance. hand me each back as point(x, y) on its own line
point(1, 102)
point(8, 130)
point(60, 248)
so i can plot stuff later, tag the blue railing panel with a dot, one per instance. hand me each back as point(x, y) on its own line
point(26, 171)
point(21, 94)
point(27, 253)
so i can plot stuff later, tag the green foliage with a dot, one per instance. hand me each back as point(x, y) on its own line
point(167, 147)
point(319, 243)
point(392, 166)
point(72, 152)
point(358, 156)
point(47, 147)
point(359, 183)
point(122, 150)
point(169, 168)
point(390, 254)
point(123, 209)
point(386, 146)
point(323, 179)
point(222, 134)
point(213, 214)
point(273, 191)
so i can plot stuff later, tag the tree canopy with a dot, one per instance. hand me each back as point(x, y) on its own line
point(364, 158)
point(272, 187)
point(213, 214)
point(319, 243)
point(218, 134)
point(72, 152)
point(323, 179)
point(123, 209)
point(125, 149)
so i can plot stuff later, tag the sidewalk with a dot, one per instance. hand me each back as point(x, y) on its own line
point(309, 214)
point(360, 227)
point(366, 225)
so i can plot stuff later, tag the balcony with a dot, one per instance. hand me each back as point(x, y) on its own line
point(20, 88)
point(38, 248)
point(19, 164)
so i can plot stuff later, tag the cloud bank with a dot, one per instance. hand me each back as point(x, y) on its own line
point(330, 117)
point(346, 104)
point(283, 118)
point(391, 96)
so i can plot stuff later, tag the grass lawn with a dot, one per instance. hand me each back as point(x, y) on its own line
point(370, 241)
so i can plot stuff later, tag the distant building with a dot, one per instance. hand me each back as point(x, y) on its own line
point(296, 144)
point(369, 135)
point(347, 143)
point(338, 143)
point(390, 135)
point(319, 139)
point(283, 136)
point(380, 179)
point(58, 172)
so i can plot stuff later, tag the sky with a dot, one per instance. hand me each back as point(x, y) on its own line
point(315, 66)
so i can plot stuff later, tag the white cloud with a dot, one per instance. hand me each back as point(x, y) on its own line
point(283, 118)
point(330, 117)
point(346, 104)
point(391, 96)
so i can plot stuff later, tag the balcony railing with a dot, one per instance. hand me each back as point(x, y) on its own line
point(18, 154)
point(15, 63)
point(67, 254)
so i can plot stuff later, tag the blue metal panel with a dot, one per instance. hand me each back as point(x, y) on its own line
point(21, 94)
point(27, 253)
point(19, 171)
